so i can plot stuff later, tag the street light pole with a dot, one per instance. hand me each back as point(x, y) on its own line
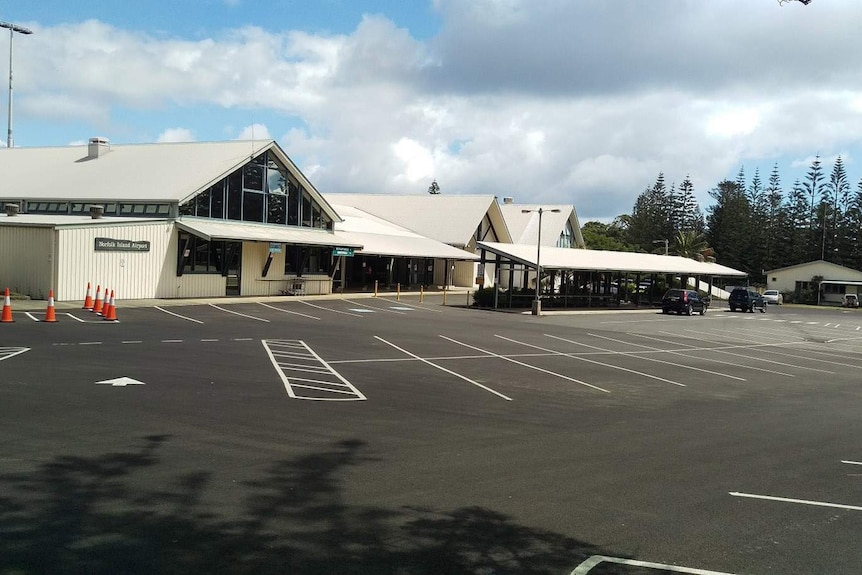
point(12, 29)
point(537, 303)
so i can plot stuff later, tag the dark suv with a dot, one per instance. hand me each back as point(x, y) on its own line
point(683, 301)
point(746, 300)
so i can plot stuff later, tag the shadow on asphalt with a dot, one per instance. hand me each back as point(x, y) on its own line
point(104, 515)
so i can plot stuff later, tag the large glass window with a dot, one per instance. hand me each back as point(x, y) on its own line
point(217, 201)
point(234, 196)
point(276, 207)
point(293, 204)
point(252, 207)
point(204, 257)
point(202, 204)
point(252, 177)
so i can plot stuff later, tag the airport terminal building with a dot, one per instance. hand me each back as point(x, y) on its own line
point(172, 220)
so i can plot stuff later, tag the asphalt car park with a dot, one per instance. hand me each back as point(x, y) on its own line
point(311, 437)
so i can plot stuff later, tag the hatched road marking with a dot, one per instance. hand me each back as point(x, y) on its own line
point(306, 375)
point(587, 565)
point(7, 352)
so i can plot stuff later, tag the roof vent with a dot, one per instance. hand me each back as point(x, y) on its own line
point(98, 147)
point(96, 212)
point(12, 210)
point(509, 200)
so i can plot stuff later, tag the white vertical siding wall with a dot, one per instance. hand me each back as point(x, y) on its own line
point(27, 260)
point(132, 275)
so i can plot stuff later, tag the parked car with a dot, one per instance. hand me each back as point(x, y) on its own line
point(683, 301)
point(746, 299)
point(773, 296)
point(850, 300)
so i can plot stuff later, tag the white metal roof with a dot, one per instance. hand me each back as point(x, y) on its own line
point(245, 231)
point(524, 227)
point(449, 219)
point(601, 260)
point(381, 237)
point(65, 220)
point(162, 172)
point(134, 172)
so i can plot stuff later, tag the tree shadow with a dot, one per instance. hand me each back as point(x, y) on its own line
point(101, 515)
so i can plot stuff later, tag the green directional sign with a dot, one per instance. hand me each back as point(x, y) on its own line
point(343, 252)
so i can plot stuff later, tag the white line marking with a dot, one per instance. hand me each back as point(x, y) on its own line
point(209, 340)
point(587, 565)
point(441, 368)
point(371, 307)
point(711, 359)
point(132, 341)
point(31, 316)
point(76, 318)
point(242, 339)
point(287, 311)
point(14, 351)
point(641, 356)
point(802, 501)
point(421, 306)
point(574, 356)
point(172, 341)
point(361, 310)
point(90, 343)
point(329, 369)
point(178, 315)
point(329, 309)
point(527, 365)
point(239, 314)
point(852, 462)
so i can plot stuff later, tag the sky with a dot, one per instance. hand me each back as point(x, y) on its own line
point(580, 102)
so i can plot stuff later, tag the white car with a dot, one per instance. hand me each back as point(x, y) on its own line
point(773, 296)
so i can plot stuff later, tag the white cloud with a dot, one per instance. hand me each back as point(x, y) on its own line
point(176, 135)
point(552, 101)
point(254, 132)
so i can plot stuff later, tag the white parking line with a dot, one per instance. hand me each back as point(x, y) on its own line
point(421, 306)
point(515, 361)
point(610, 365)
point(329, 309)
point(76, 318)
point(696, 348)
point(239, 314)
point(371, 307)
point(587, 565)
point(640, 355)
point(441, 368)
point(178, 315)
point(800, 501)
point(287, 311)
point(852, 462)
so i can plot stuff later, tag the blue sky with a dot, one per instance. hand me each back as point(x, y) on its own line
point(558, 101)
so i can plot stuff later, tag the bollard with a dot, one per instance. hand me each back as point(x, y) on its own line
point(421, 294)
point(375, 288)
point(444, 295)
point(468, 298)
point(398, 292)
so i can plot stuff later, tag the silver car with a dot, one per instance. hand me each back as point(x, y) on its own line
point(773, 296)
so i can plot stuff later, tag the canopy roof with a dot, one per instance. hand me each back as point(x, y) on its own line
point(244, 231)
point(600, 260)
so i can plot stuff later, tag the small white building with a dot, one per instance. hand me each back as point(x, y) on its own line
point(837, 280)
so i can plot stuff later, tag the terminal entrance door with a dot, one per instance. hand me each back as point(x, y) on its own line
point(233, 267)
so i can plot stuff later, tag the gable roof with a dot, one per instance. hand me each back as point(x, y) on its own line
point(162, 172)
point(840, 271)
point(380, 237)
point(452, 220)
point(525, 227)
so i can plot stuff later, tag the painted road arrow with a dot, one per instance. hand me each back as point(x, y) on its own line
point(120, 382)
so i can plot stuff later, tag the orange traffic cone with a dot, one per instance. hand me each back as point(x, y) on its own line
point(110, 309)
point(50, 314)
point(7, 309)
point(99, 303)
point(88, 300)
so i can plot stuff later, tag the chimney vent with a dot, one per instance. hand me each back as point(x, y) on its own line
point(508, 200)
point(96, 212)
point(98, 147)
point(12, 210)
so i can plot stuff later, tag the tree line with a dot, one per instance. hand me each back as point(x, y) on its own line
point(752, 225)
